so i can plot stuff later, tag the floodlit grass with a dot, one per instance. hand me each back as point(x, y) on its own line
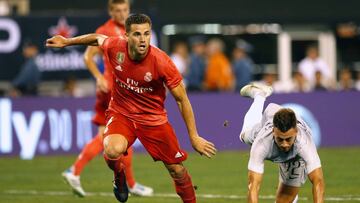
point(225, 174)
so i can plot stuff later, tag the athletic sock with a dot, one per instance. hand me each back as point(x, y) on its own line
point(184, 188)
point(91, 149)
point(114, 164)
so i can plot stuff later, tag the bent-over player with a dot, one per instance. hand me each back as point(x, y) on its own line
point(279, 135)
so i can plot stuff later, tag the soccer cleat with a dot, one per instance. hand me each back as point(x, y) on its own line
point(74, 182)
point(141, 190)
point(253, 89)
point(121, 190)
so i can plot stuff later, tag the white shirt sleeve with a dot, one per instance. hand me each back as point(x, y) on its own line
point(257, 158)
point(309, 154)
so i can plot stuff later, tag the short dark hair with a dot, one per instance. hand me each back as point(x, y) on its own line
point(136, 19)
point(285, 119)
point(112, 2)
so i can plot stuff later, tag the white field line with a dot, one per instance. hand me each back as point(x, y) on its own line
point(170, 195)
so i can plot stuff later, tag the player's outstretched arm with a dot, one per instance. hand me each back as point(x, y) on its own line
point(317, 179)
point(254, 186)
point(59, 41)
point(90, 53)
point(201, 145)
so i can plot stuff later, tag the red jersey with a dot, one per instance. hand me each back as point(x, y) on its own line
point(139, 86)
point(111, 28)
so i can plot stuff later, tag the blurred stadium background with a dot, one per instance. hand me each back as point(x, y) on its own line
point(41, 132)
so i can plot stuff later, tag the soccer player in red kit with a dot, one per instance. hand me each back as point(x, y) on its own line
point(115, 26)
point(136, 109)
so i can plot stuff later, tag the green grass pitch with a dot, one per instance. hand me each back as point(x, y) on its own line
point(225, 175)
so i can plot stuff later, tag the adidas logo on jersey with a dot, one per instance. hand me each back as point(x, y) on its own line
point(119, 68)
point(178, 155)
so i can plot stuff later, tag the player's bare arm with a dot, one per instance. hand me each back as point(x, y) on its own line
point(254, 186)
point(59, 41)
point(201, 145)
point(317, 179)
point(90, 53)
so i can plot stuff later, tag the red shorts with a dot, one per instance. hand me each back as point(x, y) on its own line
point(101, 105)
point(160, 141)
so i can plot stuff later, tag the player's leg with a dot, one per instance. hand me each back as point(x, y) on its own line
point(118, 135)
point(286, 193)
point(115, 146)
point(253, 116)
point(162, 145)
point(91, 149)
point(135, 188)
point(182, 180)
point(127, 161)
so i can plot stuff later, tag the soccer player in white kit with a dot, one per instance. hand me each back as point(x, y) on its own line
point(279, 135)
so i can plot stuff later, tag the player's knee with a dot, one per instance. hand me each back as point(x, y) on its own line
point(112, 152)
point(244, 137)
point(114, 148)
point(176, 170)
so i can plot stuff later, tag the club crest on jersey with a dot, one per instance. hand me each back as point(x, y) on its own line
point(148, 77)
point(120, 56)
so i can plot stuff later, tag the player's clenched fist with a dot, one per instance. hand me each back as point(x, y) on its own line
point(57, 41)
point(203, 146)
